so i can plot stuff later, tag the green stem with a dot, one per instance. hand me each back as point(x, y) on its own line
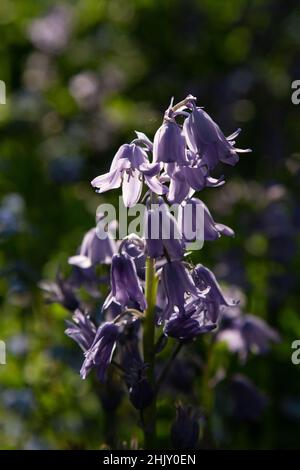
point(149, 352)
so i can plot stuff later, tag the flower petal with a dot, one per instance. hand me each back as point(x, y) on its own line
point(107, 181)
point(150, 169)
point(131, 188)
point(155, 185)
point(81, 261)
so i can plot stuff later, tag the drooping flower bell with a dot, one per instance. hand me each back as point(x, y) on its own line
point(125, 285)
point(93, 250)
point(129, 166)
point(129, 349)
point(176, 282)
point(214, 299)
point(141, 392)
point(194, 218)
point(134, 247)
point(188, 326)
point(169, 143)
point(88, 279)
point(185, 180)
point(162, 234)
point(205, 138)
point(81, 329)
point(99, 355)
point(61, 291)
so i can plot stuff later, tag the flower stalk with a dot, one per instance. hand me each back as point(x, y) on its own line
point(149, 416)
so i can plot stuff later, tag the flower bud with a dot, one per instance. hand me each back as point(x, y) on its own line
point(141, 394)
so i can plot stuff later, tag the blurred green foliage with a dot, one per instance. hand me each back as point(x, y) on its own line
point(78, 85)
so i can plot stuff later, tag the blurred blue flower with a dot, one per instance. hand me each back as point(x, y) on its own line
point(51, 33)
point(185, 429)
point(246, 334)
point(60, 291)
point(20, 400)
point(65, 169)
point(11, 215)
point(248, 403)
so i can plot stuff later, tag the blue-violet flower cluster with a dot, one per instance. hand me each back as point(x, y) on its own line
point(186, 149)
